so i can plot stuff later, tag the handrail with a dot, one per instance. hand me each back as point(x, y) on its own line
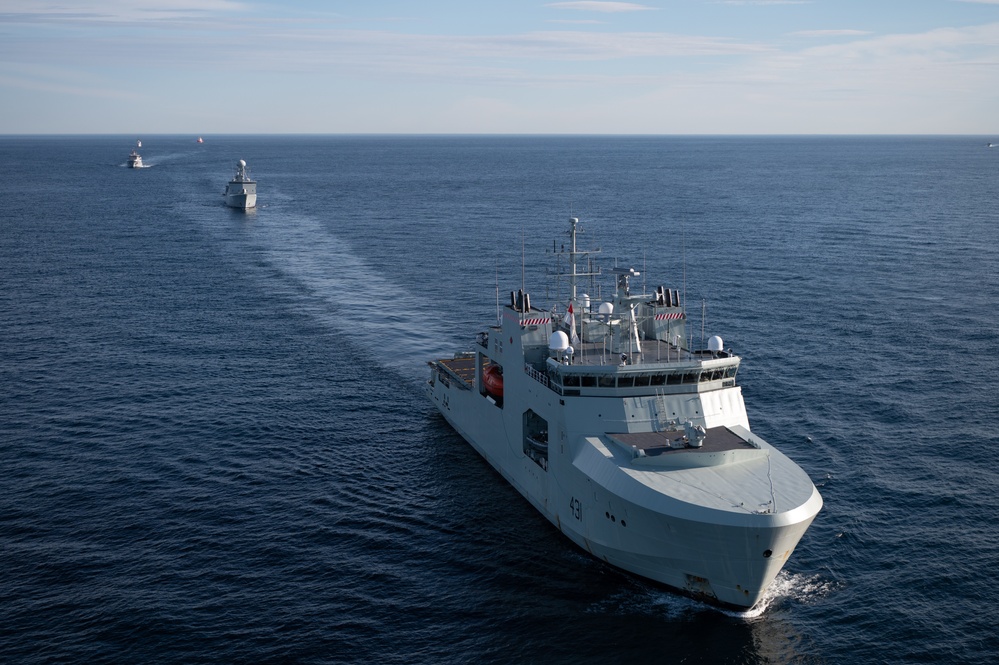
point(541, 378)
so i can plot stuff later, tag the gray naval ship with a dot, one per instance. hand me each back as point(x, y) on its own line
point(241, 192)
point(633, 444)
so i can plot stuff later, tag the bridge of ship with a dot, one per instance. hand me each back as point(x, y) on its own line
point(655, 371)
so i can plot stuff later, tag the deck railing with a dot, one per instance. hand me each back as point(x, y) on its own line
point(541, 378)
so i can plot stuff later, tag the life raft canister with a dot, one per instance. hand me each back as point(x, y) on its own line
point(492, 379)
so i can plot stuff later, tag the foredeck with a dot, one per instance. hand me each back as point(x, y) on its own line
point(717, 440)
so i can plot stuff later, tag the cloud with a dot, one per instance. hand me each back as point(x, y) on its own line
point(832, 33)
point(844, 78)
point(281, 47)
point(114, 11)
point(764, 2)
point(603, 7)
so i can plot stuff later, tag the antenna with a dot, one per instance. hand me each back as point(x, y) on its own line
point(683, 259)
point(523, 259)
point(645, 272)
point(704, 311)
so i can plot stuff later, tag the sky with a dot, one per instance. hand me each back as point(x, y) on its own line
point(508, 67)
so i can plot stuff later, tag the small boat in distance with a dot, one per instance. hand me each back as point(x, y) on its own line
point(241, 192)
point(134, 160)
point(200, 140)
point(633, 442)
point(138, 143)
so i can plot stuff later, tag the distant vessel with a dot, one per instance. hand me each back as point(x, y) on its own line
point(134, 160)
point(200, 140)
point(138, 144)
point(241, 192)
point(634, 444)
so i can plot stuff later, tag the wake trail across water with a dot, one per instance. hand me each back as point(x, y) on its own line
point(338, 288)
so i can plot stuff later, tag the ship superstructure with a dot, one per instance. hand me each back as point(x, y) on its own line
point(632, 443)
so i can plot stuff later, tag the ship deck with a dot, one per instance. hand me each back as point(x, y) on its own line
point(718, 439)
point(462, 368)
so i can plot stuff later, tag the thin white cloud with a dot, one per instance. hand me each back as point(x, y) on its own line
point(116, 11)
point(322, 48)
point(832, 33)
point(294, 48)
point(603, 7)
point(764, 2)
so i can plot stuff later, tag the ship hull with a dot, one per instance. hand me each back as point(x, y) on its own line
point(632, 444)
point(722, 557)
point(718, 563)
point(242, 197)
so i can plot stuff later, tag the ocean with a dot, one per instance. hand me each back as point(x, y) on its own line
point(215, 445)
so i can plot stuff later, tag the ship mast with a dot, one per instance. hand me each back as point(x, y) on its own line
point(575, 272)
point(573, 221)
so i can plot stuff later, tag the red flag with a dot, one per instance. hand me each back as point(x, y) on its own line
point(571, 321)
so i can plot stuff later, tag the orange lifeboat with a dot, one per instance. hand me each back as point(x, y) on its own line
point(492, 379)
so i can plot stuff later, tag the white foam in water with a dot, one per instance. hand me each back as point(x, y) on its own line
point(379, 315)
point(647, 599)
point(159, 159)
point(796, 587)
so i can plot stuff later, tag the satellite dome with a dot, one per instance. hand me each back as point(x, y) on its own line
point(242, 163)
point(715, 343)
point(606, 308)
point(558, 341)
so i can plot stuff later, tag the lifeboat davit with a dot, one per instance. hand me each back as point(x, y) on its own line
point(492, 379)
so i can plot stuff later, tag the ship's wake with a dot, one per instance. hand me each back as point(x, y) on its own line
point(168, 157)
point(332, 284)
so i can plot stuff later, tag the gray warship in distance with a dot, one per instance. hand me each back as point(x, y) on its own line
point(241, 192)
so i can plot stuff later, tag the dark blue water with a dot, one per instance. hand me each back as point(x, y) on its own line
point(214, 445)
